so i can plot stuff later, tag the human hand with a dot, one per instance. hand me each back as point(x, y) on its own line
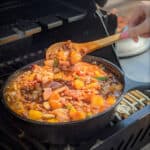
point(139, 22)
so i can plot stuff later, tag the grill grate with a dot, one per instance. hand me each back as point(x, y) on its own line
point(6, 68)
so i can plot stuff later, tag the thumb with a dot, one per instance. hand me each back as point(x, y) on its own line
point(139, 30)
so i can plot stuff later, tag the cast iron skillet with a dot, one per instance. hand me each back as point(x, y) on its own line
point(69, 132)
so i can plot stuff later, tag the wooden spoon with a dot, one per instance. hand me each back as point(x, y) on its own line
point(87, 47)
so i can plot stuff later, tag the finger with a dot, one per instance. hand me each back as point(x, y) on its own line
point(135, 39)
point(136, 19)
point(146, 35)
point(143, 28)
point(137, 16)
point(114, 11)
point(146, 5)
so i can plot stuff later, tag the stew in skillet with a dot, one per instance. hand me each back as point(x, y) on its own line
point(61, 92)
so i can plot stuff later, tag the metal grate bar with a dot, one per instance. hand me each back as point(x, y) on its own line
point(7, 67)
point(131, 103)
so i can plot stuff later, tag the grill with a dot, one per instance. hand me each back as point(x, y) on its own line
point(25, 37)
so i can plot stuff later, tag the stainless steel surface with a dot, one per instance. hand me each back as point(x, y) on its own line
point(55, 24)
point(32, 31)
point(75, 18)
point(137, 68)
point(9, 38)
point(19, 34)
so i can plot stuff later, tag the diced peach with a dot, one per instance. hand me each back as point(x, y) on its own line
point(89, 114)
point(75, 57)
point(55, 104)
point(97, 73)
point(77, 115)
point(97, 101)
point(54, 96)
point(69, 106)
point(72, 112)
point(30, 77)
point(59, 75)
point(79, 84)
point(61, 55)
point(54, 101)
point(80, 115)
point(93, 85)
point(111, 100)
point(48, 63)
point(100, 73)
point(35, 114)
point(102, 108)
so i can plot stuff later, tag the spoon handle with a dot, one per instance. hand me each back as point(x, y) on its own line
point(100, 43)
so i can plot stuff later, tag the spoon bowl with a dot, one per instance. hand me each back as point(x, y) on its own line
point(83, 48)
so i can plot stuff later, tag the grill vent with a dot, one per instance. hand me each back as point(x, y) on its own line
point(144, 134)
point(128, 142)
point(120, 145)
point(136, 138)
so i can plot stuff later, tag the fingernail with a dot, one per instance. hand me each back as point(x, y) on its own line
point(124, 35)
point(136, 40)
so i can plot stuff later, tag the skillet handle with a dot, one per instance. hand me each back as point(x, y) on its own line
point(130, 84)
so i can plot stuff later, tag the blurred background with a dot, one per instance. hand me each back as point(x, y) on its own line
point(134, 57)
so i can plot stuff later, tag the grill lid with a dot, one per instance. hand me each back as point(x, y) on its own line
point(23, 18)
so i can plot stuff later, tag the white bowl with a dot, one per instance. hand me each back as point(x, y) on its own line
point(128, 47)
